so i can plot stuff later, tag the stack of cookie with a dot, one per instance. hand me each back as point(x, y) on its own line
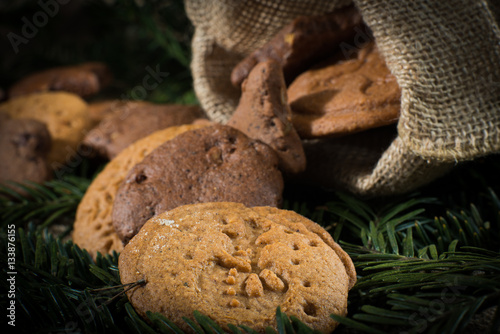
point(194, 210)
point(225, 182)
point(193, 206)
point(69, 124)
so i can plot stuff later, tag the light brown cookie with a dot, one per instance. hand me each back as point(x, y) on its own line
point(133, 120)
point(65, 115)
point(24, 145)
point(213, 164)
point(93, 228)
point(301, 43)
point(237, 265)
point(345, 96)
point(263, 114)
point(84, 80)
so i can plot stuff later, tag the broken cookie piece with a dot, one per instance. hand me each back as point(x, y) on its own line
point(303, 42)
point(263, 114)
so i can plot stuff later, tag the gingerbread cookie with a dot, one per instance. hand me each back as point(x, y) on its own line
point(65, 115)
point(133, 120)
point(237, 265)
point(345, 96)
point(213, 164)
point(24, 145)
point(93, 228)
point(263, 114)
point(303, 42)
point(84, 80)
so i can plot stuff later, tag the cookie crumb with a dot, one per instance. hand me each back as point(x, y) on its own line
point(230, 291)
point(253, 286)
point(168, 222)
point(233, 272)
point(231, 280)
point(234, 303)
point(272, 281)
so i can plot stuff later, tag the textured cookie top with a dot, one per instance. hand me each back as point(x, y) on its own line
point(237, 265)
point(93, 228)
point(64, 114)
point(212, 164)
point(345, 95)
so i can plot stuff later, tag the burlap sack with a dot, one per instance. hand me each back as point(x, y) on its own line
point(444, 54)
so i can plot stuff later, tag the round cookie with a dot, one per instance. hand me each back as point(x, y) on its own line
point(65, 115)
point(237, 265)
point(24, 145)
point(93, 228)
point(84, 80)
point(133, 120)
point(345, 96)
point(213, 164)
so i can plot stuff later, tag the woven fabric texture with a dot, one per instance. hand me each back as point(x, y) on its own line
point(446, 58)
point(444, 54)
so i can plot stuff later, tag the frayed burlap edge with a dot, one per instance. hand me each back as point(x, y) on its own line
point(432, 136)
point(446, 57)
point(211, 67)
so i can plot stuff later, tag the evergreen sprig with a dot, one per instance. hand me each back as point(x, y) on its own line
point(426, 262)
point(42, 203)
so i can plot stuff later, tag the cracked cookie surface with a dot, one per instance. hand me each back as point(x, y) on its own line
point(237, 265)
point(213, 164)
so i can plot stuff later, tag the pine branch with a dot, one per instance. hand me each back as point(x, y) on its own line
point(42, 203)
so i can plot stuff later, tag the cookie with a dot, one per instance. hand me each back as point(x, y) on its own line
point(345, 96)
point(98, 110)
point(24, 145)
point(133, 120)
point(263, 114)
point(213, 164)
point(93, 228)
point(304, 41)
point(84, 80)
point(64, 114)
point(237, 265)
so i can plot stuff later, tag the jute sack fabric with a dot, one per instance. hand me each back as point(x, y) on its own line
point(444, 54)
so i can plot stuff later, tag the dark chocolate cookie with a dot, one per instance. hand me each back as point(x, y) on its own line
point(213, 164)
